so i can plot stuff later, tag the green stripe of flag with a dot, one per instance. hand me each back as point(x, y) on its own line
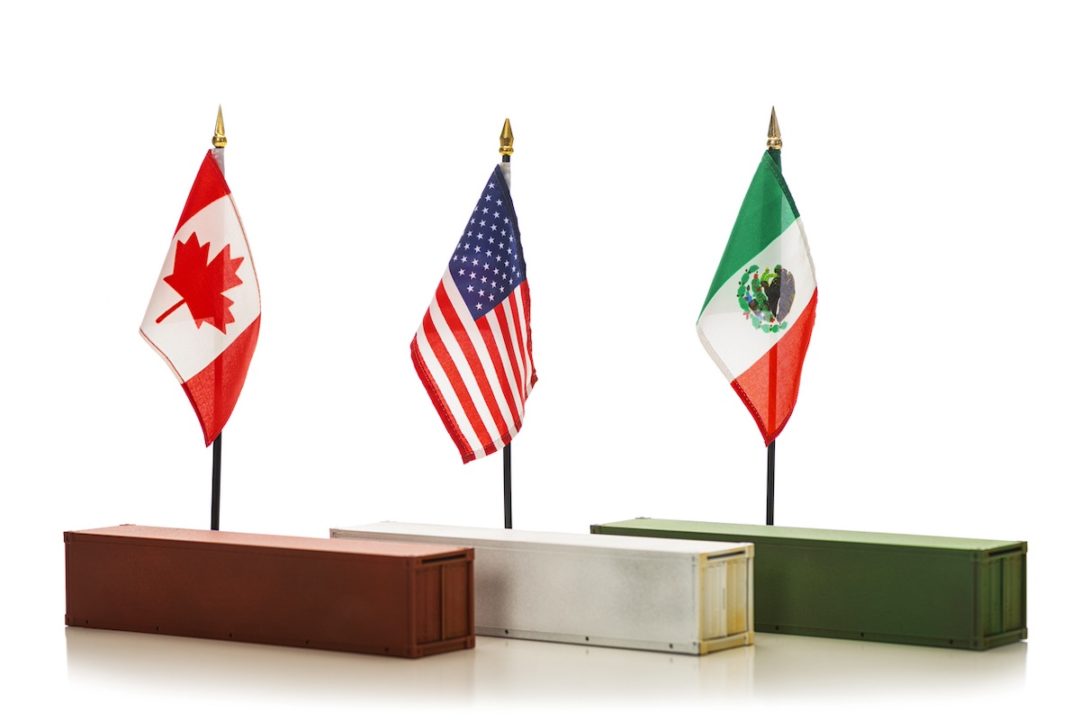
point(767, 210)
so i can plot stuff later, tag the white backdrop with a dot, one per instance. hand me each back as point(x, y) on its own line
point(929, 147)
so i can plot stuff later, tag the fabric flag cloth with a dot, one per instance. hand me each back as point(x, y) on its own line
point(203, 317)
point(759, 313)
point(473, 350)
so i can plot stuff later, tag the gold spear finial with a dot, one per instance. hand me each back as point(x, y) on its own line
point(219, 140)
point(506, 139)
point(773, 142)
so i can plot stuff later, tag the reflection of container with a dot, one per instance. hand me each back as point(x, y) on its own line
point(658, 595)
point(386, 598)
point(953, 592)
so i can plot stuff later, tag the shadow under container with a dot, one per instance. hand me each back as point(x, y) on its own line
point(392, 599)
point(925, 590)
point(639, 593)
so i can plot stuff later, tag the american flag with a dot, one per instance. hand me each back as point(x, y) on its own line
point(473, 350)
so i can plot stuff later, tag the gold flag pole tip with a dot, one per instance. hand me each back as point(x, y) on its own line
point(219, 140)
point(506, 139)
point(773, 141)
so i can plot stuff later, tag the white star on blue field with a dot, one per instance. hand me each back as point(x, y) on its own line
point(487, 263)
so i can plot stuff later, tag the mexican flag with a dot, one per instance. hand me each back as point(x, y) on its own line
point(759, 313)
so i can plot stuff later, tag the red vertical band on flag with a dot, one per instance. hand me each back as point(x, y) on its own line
point(473, 359)
point(769, 401)
point(772, 386)
point(209, 186)
point(213, 391)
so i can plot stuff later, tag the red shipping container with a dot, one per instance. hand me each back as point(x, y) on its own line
point(398, 599)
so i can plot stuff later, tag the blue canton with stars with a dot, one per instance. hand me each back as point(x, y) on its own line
point(487, 263)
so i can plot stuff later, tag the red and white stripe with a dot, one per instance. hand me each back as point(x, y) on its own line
point(477, 372)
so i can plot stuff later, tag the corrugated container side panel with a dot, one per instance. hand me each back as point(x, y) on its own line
point(751, 593)
point(443, 601)
point(456, 601)
point(1012, 583)
point(859, 591)
point(1001, 593)
point(225, 594)
point(738, 574)
point(427, 587)
point(991, 588)
point(714, 598)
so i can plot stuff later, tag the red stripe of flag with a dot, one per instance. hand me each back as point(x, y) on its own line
point(520, 341)
point(526, 301)
point(439, 402)
point(452, 374)
point(496, 360)
point(504, 327)
point(472, 358)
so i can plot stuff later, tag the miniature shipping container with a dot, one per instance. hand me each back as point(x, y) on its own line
point(953, 592)
point(387, 598)
point(653, 594)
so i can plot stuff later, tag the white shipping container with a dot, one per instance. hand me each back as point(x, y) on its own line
point(655, 594)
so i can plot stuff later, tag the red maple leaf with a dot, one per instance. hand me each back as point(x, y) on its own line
point(202, 285)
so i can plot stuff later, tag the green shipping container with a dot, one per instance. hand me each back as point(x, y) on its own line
point(927, 590)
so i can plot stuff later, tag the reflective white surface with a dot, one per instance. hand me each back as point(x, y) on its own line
point(779, 667)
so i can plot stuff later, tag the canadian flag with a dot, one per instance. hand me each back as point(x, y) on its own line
point(203, 317)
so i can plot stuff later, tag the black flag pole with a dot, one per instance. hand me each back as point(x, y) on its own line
point(215, 486)
point(773, 143)
point(770, 484)
point(508, 521)
point(506, 149)
point(219, 141)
